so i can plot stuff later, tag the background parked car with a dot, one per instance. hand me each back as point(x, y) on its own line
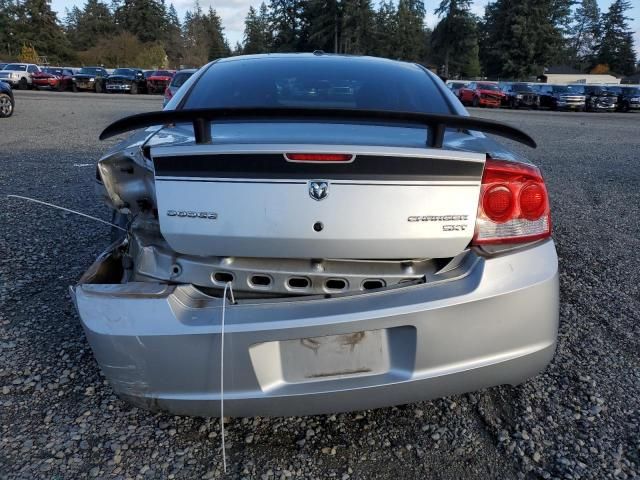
point(159, 80)
point(55, 78)
point(178, 79)
point(520, 95)
point(481, 94)
point(561, 97)
point(456, 85)
point(598, 98)
point(7, 103)
point(126, 80)
point(628, 98)
point(89, 78)
point(19, 74)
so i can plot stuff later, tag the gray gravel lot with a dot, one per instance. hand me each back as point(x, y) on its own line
point(59, 419)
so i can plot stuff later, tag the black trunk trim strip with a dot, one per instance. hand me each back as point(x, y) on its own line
point(274, 166)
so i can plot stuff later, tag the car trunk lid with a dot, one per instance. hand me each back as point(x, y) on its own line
point(243, 199)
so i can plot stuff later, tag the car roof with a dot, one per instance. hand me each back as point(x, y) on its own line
point(333, 57)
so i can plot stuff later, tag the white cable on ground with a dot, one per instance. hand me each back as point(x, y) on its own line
point(67, 210)
point(224, 305)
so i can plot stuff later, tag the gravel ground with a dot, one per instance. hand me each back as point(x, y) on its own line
point(59, 419)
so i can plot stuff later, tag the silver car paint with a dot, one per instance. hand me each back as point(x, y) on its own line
point(361, 219)
point(494, 323)
point(487, 318)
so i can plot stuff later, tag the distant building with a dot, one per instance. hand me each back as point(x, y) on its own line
point(564, 78)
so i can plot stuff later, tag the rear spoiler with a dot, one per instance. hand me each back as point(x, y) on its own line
point(202, 119)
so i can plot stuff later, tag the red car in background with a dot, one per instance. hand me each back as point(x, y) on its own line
point(481, 94)
point(56, 78)
point(159, 80)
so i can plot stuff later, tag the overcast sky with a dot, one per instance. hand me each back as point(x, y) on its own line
point(233, 12)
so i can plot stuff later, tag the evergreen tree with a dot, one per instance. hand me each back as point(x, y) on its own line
point(173, 39)
point(9, 44)
point(35, 24)
point(85, 27)
point(455, 39)
point(257, 36)
point(324, 20)
point(146, 19)
point(585, 33)
point(386, 30)
point(287, 24)
point(203, 37)
point(521, 37)
point(340, 26)
point(616, 47)
point(218, 46)
point(356, 27)
point(410, 27)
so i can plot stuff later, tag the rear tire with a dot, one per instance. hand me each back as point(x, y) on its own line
point(74, 88)
point(98, 87)
point(134, 89)
point(23, 84)
point(61, 87)
point(475, 102)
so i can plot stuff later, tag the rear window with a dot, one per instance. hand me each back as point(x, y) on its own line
point(16, 67)
point(488, 86)
point(124, 71)
point(317, 82)
point(522, 87)
point(179, 78)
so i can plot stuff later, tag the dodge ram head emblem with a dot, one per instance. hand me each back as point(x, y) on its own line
point(318, 190)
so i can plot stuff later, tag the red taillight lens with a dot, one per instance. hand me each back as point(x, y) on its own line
point(514, 206)
point(533, 200)
point(319, 157)
point(497, 203)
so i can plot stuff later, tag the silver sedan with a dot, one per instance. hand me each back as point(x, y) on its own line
point(299, 234)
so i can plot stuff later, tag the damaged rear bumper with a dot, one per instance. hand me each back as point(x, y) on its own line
point(159, 345)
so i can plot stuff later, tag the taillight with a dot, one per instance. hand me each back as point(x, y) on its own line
point(319, 157)
point(513, 206)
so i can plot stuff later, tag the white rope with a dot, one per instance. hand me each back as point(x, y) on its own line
point(67, 210)
point(224, 305)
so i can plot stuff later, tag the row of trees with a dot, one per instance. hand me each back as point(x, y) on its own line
point(514, 38)
point(144, 33)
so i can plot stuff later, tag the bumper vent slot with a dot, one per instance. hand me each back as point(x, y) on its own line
point(372, 284)
point(222, 277)
point(298, 283)
point(336, 284)
point(260, 281)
